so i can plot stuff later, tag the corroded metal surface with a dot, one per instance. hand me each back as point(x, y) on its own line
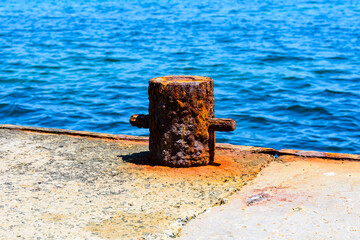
point(182, 121)
point(179, 108)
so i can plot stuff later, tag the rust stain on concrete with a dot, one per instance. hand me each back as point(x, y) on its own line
point(176, 192)
point(226, 164)
point(272, 194)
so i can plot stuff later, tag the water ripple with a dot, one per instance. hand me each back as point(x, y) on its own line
point(288, 73)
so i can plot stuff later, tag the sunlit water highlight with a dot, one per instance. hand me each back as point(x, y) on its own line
point(287, 71)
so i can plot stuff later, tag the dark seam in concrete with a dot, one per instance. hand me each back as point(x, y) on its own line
point(322, 155)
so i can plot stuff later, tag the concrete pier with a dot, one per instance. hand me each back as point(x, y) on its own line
point(62, 184)
point(317, 199)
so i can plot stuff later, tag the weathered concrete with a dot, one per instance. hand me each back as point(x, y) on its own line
point(60, 184)
point(293, 198)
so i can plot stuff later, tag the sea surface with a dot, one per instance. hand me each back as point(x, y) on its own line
point(288, 72)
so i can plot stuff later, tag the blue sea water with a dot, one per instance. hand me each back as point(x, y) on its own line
point(287, 71)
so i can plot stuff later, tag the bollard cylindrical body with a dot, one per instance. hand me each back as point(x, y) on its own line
point(181, 121)
point(179, 111)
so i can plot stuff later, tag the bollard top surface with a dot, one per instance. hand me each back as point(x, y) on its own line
point(181, 79)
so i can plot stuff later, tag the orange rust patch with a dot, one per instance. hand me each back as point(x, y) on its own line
point(227, 164)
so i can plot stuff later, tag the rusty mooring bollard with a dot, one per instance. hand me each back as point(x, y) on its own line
point(182, 121)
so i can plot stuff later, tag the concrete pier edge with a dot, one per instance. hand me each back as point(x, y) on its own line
point(64, 183)
point(224, 146)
